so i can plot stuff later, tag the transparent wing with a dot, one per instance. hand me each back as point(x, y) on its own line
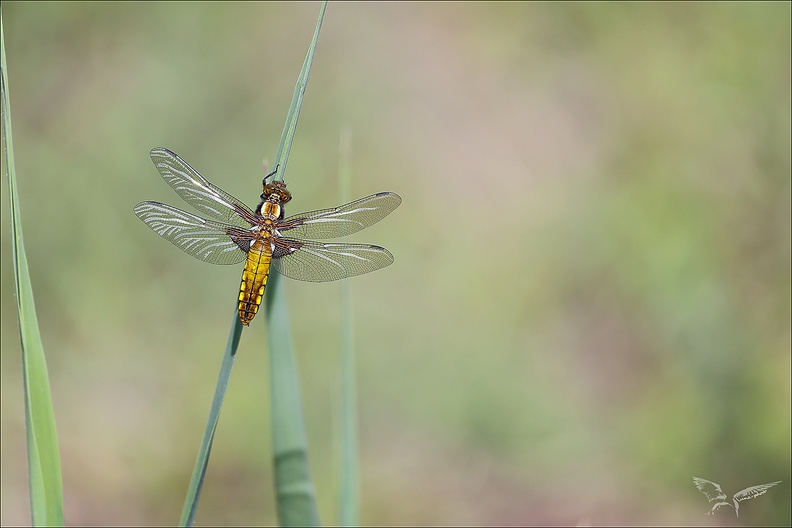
point(753, 491)
point(197, 191)
point(319, 262)
point(710, 489)
point(343, 220)
point(211, 242)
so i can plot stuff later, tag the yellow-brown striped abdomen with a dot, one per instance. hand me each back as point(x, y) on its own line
point(254, 279)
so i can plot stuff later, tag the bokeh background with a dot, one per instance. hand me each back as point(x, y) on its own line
point(590, 302)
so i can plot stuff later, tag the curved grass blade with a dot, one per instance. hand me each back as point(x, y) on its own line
point(201, 463)
point(46, 488)
point(294, 487)
point(349, 494)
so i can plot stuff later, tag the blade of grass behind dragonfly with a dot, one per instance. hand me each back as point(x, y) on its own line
point(348, 489)
point(46, 486)
point(295, 496)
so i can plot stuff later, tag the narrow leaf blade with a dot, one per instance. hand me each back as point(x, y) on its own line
point(46, 488)
point(293, 484)
point(202, 462)
point(349, 487)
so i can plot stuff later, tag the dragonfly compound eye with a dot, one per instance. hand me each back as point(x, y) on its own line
point(276, 188)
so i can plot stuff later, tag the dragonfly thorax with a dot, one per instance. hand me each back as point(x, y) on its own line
point(270, 210)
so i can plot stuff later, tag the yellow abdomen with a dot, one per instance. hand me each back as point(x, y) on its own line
point(254, 279)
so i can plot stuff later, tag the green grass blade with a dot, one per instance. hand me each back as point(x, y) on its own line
point(294, 488)
point(201, 463)
point(349, 495)
point(287, 137)
point(46, 488)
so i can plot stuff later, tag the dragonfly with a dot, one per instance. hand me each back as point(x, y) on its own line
point(264, 237)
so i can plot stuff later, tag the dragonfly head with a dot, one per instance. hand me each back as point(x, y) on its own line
point(276, 192)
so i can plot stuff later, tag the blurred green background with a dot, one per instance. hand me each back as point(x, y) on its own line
point(590, 302)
